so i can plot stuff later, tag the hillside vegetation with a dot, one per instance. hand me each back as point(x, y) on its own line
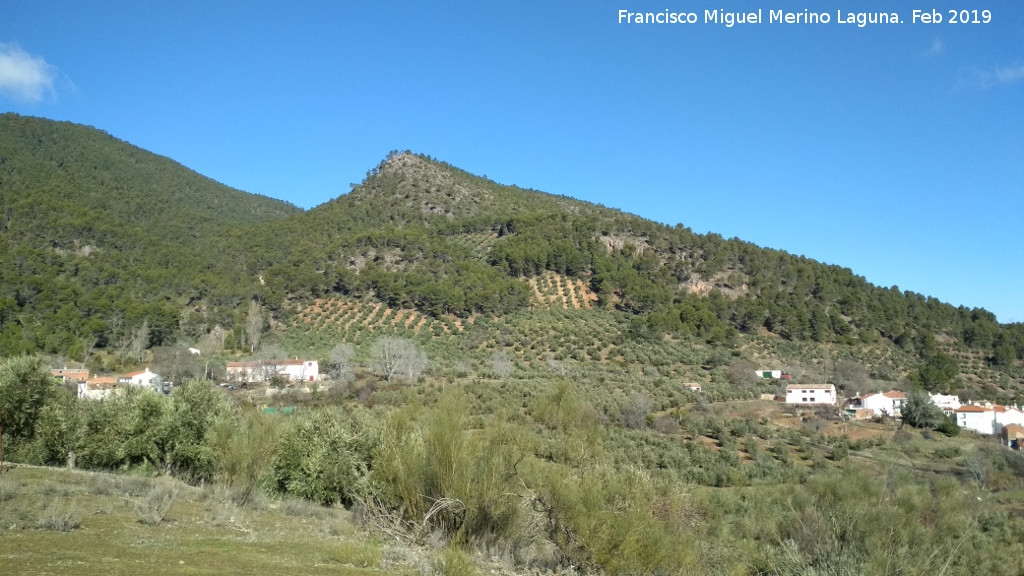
point(505, 385)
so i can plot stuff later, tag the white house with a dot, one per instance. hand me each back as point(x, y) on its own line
point(948, 403)
point(769, 374)
point(811, 394)
point(291, 370)
point(97, 388)
point(988, 418)
point(693, 386)
point(143, 378)
point(880, 403)
point(1007, 415)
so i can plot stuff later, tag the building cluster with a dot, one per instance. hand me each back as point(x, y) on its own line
point(99, 387)
point(981, 417)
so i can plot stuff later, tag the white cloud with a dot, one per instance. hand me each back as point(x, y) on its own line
point(937, 48)
point(1009, 74)
point(24, 76)
point(992, 78)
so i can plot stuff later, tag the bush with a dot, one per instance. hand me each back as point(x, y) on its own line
point(438, 478)
point(61, 517)
point(152, 510)
point(325, 457)
point(948, 427)
point(243, 446)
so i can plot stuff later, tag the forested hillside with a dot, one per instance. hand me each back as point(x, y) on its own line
point(101, 239)
point(99, 236)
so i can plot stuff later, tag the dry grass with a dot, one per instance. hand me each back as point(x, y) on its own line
point(201, 532)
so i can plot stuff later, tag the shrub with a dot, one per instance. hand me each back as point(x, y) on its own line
point(152, 510)
point(325, 457)
point(438, 478)
point(61, 517)
point(243, 446)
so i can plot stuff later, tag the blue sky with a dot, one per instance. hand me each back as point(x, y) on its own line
point(894, 150)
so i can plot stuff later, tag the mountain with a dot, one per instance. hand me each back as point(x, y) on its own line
point(99, 236)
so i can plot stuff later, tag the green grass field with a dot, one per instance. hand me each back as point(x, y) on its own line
point(69, 522)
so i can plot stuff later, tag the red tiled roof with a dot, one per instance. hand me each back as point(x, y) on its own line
point(894, 394)
point(267, 363)
point(972, 409)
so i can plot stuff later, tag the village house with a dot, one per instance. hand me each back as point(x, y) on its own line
point(693, 386)
point(988, 418)
point(290, 370)
point(1013, 436)
point(70, 375)
point(948, 403)
point(811, 394)
point(981, 419)
point(97, 388)
point(888, 404)
point(143, 378)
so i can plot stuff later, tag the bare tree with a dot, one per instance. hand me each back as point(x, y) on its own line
point(743, 374)
point(398, 357)
point(634, 413)
point(268, 362)
point(209, 345)
point(560, 367)
point(340, 362)
point(139, 341)
point(501, 364)
point(254, 325)
point(849, 375)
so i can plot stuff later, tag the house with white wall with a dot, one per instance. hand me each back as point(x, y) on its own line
point(981, 419)
point(97, 388)
point(811, 394)
point(143, 378)
point(988, 418)
point(262, 371)
point(1007, 415)
point(948, 403)
point(889, 404)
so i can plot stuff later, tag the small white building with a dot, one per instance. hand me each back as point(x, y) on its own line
point(693, 386)
point(291, 370)
point(981, 419)
point(948, 403)
point(811, 394)
point(143, 378)
point(888, 404)
point(769, 374)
